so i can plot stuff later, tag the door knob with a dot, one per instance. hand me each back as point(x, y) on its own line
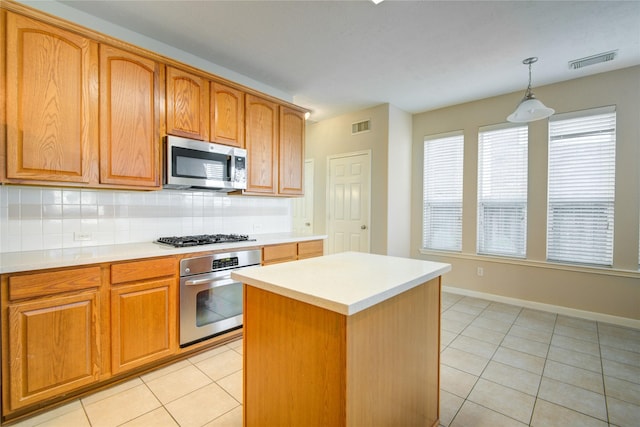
point(363, 227)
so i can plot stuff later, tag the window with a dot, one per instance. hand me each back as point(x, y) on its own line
point(502, 191)
point(442, 197)
point(581, 187)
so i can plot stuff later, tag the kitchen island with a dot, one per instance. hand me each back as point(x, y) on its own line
point(349, 339)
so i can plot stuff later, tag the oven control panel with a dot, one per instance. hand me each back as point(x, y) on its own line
point(219, 262)
point(224, 263)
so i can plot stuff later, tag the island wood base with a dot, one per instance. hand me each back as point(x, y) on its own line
point(308, 366)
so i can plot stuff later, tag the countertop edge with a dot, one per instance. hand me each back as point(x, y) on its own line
point(18, 262)
point(341, 308)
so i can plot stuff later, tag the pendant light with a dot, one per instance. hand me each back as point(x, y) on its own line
point(530, 109)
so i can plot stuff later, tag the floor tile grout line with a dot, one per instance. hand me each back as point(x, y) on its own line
point(466, 399)
point(536, 397)
point(447, 346)
point(546, 359)
point(544, 368)
point(164, 405)
point(604, 383)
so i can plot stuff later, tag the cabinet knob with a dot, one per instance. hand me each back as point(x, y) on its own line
point(363, 227)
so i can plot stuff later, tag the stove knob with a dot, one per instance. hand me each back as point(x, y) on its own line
point(187, 270)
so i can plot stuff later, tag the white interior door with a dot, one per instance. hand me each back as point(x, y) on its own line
point(303, 206)
point(348, 215)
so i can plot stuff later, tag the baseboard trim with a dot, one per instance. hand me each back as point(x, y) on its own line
point(558, 309)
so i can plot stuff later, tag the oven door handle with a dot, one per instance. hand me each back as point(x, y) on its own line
point(216, 282)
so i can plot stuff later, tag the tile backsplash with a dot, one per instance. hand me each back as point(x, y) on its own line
point(35, 218)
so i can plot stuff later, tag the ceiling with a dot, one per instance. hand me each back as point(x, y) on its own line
point(335, 57)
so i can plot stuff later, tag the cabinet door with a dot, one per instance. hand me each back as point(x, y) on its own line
point(51, 107)
point(143, 323)
point(53, 347)
point(261, 143)
point(227, 115)
point(291, 166)
point(187, 105)
point(129, 119)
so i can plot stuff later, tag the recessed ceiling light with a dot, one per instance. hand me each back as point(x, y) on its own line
point(376, 1)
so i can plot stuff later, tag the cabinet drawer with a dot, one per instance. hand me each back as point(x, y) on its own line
point(279, 253)
point(53, 282)
point(140, 270)
point(310, 249)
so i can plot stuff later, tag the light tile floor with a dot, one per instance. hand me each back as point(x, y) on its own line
point(501, 365)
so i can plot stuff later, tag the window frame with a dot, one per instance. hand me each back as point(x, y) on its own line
point(439, 200)
point(509, 201)
point(571, 211)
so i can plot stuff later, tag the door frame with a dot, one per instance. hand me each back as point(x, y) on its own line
point(309, 193)
point(328, 220)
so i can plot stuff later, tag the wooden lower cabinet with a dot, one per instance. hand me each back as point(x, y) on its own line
point(67, 331)
point(284, 252)
point(53, 347)
point(143, 313)
point(310, 249)
point(308, 366)
point(275, 254)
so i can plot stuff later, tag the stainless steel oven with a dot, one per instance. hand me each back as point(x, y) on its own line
point(210, 300)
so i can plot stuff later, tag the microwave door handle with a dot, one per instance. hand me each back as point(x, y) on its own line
point(216, 282)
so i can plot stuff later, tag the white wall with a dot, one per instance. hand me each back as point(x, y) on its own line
point(390, 143)
point(333, 136)
point(399, 183)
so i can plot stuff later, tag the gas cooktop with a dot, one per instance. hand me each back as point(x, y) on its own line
point(203, 239)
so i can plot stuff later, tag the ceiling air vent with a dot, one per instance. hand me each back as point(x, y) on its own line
point(359, 127)
point(591, 60)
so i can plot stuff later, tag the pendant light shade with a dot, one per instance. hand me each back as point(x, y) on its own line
point(530, 108)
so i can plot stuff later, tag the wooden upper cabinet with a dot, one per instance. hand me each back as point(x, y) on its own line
point(131, 89)
point(187, 105)
point(291, 149)
point(51, 102)
point(227, 115)
point(261, 127)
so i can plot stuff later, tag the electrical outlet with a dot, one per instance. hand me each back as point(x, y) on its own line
point(480, 271)
point(257, 228)
point(81, 236)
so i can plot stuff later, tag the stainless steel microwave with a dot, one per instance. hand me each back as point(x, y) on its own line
point(191, 164)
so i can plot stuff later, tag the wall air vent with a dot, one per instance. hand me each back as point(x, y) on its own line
point(591, 60)
point(359, 127)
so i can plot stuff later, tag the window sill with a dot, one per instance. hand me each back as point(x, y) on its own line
point(607, 271)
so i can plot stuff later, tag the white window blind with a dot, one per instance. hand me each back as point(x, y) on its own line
point(581, 187)
point(442, 193)
point(502, 191)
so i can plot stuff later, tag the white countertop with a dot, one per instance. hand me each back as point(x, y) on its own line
point(346, 283)
point(12, 262)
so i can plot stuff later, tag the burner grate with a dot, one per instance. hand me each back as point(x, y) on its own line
point(202, 239)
